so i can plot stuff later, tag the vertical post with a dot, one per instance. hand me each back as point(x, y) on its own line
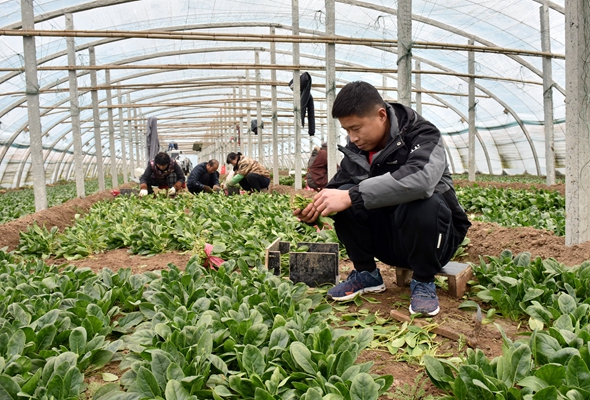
point(96, 122)
point(418, 76)
point(547, 96)
point(275, 119)
point(32, 91)
point(248, 116)
point(296, 94)
point(234, 122)
point(243, 128)
point(130, 133)
point(114, 179)
point(258, 107)
point(577, 117)
point(122, 137)
point(331, 126)
point(75, 109)
point(471, 116)
point(140, 154)
point(404, 52)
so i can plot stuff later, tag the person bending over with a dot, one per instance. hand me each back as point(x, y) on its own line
point(163, 172)
point(393, 197)
point(249, 173)
point(204, 178)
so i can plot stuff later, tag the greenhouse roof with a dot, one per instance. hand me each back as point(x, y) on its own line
point(185, 63)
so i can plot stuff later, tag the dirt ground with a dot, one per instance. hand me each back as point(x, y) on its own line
point(486, 239)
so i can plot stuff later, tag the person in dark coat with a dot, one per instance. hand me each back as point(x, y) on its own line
point(163, 172)
point(393, 197)
point(317, 168)
point(204, 178)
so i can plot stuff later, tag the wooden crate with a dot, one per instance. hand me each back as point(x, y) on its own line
point(316, 266)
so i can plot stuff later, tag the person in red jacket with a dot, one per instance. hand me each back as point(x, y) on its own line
point(317, 168)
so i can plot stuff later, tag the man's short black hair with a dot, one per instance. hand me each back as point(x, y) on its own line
point(162, 159)
point(212, 162)
point(356, 98)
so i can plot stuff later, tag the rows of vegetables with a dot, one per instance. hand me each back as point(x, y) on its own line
point(241, 332)
point(18, 203)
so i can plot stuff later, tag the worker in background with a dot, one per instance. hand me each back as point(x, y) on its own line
point(163, 172)
point(204, 178)
point(248, 173)
point(317, 168)
point(393, 197)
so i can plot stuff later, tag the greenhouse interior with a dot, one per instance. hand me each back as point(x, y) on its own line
point(92, 91)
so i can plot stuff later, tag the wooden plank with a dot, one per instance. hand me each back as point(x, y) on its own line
point(314, 269)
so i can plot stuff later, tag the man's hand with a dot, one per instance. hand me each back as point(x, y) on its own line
point(171, 191)
point(330, 201)
point(308, 215)
point(207, 189)
point(217, 188)
point(143, 192)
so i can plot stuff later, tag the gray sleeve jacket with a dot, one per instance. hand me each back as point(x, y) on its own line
point(412, 166)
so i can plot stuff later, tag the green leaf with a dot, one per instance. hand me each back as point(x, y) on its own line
point(256, 334)
point(253, 360)
point(302, 356)
point(175, 391)
point(146, 384)
point(16, 344)
point(553, 374)
point(577, 373)
point(549, 393)
point(364, 337)
point(567, 304)
point(363, 387)
point(78, 340)
point(8, 388)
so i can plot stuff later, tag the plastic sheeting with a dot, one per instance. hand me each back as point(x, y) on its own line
point(509, 89)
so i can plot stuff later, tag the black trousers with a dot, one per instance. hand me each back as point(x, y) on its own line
point(165, 183)
point(418, 235)
point(254, 182)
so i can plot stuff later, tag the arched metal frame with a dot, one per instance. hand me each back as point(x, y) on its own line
point(220, 26)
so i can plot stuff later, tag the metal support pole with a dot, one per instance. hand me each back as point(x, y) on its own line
point(140, 154)
point(122, 137)
point(96, 122)
point(418, 88)
point(130, 133)
point(471, 115)
point(248, 116)
point(547, 96)
point(296, 94)
point(404, 52)
point(114, 179)
point(331, 126)
point(243, 129)
point(75, 109)
point(32, 91)
point(275, 119)
point(577, 117)
point(258, 108)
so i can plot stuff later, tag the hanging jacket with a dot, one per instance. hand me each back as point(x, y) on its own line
point(412, 166)
point(306, 101)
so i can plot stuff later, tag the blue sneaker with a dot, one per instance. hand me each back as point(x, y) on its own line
point(357, 283)
point(423, 299)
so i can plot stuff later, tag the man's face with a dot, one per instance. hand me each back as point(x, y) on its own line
point(162, 167)
point(368, 133)
point(212, 168)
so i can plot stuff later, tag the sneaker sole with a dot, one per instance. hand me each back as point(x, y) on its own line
point(372, 289)
point(428, 314)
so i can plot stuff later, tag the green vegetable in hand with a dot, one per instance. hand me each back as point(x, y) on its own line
point(299, 202)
